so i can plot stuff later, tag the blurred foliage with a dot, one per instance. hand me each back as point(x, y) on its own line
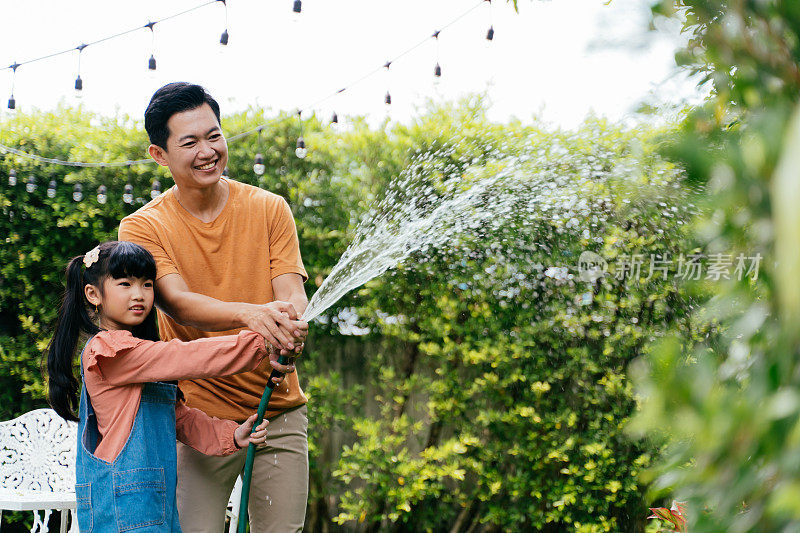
point(486, 388)
point(727, 403)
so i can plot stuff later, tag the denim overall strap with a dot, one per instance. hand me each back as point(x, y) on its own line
point(135, 492)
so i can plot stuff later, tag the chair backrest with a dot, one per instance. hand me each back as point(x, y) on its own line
point(37, 453)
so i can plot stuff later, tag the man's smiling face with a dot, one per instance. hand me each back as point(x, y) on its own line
point(197, 152)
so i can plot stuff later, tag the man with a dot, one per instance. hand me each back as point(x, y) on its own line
point(228, 258)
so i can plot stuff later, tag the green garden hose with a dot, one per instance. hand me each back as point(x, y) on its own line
point(251, 448)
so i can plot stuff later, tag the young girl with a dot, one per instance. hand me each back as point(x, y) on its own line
point(129, 417)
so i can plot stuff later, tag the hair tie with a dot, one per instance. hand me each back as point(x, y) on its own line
point(91, 256)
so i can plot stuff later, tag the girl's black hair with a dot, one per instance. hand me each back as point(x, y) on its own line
point(117, 259)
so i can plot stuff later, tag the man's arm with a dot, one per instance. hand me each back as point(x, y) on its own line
point(276, 321)
point(289, 288)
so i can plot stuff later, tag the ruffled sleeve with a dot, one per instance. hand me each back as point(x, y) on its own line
point(107, 345)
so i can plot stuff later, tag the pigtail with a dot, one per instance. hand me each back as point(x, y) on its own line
point(73, 318)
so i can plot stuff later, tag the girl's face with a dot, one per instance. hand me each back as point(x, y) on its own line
point(124, 302)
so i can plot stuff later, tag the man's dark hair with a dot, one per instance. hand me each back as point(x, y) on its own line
point(170, 99)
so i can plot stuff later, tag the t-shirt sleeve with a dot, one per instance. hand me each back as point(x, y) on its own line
point(136, 229)
point(284, 246)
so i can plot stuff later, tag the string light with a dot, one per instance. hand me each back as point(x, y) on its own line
point(388, 98)
point(155, 192)
point(223, 40)
point(335, 118)
point(77, 192)
point(490, 33)
point(12, 102)
point(114, 36)
point(78, 80)
point(151, 63)
point(300, 151)
point(51, 189)
point(297, 8)
point(437, 70)
point(12, 178)
point(258, 163)
point(127, 196)
point(301, 148)
point(31, 185)
point(102, 195)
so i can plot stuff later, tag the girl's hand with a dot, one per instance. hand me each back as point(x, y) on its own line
point(281, 369)
point(243, 435)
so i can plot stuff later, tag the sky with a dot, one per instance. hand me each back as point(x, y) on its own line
point(557, 60)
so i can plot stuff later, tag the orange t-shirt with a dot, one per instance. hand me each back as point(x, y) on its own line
point(234, 259)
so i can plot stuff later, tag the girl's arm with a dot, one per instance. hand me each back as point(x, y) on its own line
point(122, 359)
point(213, 436)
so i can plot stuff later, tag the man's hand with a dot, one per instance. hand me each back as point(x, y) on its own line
point(281, 327)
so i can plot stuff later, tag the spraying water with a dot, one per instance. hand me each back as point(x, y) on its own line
point(431, 205)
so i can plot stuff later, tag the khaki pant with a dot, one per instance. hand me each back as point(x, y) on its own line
point(279, 489)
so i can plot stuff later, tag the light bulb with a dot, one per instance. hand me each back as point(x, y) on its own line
point(156, 190)
point(51, 189)
point(78, 87)
point(77, 192)
point(101, 194)
point(387, 99)
point(297, 8)
point(127, 197)
point(223, 40)
point(258, 165)
point(12, 103)
point(12, 178)
point(301, 150)
point(151, 68)
point(31, 185)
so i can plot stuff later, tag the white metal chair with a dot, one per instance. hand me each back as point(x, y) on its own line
point(233, 506)
point(37, 466)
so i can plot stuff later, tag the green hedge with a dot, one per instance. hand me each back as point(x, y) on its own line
point(486, 394)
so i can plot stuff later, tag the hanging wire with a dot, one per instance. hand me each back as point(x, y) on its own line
point(108, 38)
point(53, 161)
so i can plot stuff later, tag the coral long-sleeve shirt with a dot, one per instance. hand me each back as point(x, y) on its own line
point(116, 366)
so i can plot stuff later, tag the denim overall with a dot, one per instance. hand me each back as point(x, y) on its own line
point(135, 492)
